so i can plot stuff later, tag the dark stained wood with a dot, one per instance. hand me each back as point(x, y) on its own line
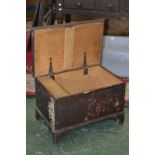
point(108, 5)
point(106, 8)
point(90, 106)
point(79, 4)
point(81, 109)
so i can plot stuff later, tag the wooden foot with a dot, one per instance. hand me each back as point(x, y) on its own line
point(56, 137)
point(37, 115)
point(121, 119)
point(114, 118)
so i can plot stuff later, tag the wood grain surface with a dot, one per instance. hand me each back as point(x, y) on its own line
point(52, 86)
point(75, 82)
point(48, 43)
point(66, 46)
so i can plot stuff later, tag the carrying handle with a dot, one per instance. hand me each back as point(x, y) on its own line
point(51, 72)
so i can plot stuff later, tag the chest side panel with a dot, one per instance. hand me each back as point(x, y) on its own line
point(46, 104)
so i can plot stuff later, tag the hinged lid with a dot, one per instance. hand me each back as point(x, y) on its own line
point(66, 45)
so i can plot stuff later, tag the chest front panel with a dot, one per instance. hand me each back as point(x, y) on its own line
point(86, 107)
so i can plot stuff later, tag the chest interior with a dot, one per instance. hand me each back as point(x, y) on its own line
point(67, 45)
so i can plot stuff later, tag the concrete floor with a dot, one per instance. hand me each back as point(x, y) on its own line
point(103, 138)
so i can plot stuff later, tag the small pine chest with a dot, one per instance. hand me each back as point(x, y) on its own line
point(72, 88)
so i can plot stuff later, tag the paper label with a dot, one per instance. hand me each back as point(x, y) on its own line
point(51, 112)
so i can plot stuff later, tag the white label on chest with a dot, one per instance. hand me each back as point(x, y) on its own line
point(51, 112)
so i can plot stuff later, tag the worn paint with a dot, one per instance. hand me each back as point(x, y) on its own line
point(70, 111)
point(51, 113)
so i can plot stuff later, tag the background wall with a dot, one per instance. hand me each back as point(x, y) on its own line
point(115, 26)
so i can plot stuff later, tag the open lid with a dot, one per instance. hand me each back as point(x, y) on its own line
point(66, 45)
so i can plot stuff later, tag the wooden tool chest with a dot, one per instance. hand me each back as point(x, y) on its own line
point(72, 88)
